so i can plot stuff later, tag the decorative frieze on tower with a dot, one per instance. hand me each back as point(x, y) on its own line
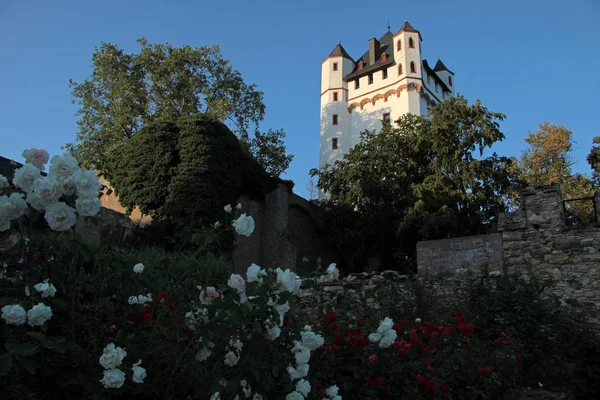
point(391, 79)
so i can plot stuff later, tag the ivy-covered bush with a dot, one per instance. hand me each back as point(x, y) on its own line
point(181, 173)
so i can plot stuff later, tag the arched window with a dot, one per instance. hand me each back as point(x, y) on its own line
point(361, 64)
point(450, 80)
point(399, 45)
point(413, 69)
point(411, 43)
point(399, 69)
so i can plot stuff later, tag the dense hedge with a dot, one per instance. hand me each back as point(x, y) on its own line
point(183, 173)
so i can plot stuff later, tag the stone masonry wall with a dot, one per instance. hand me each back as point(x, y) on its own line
point(536, 239)
point(449, 256)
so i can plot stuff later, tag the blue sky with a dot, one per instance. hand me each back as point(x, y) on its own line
point(534, 60)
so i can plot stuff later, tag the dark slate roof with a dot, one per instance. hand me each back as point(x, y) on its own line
point(439, 66)
point(339, 51)
point(408, 27)
point(435, 76)
point(386, 44)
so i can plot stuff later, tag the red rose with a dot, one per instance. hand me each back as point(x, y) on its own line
point(329, 317)
point(449, 329)
point(339, 339)
point(352, 331)
point(445, 388)
point(484, 371)
point(519, 359)
point(466, 329)
point(373, 360)
point(458, 317)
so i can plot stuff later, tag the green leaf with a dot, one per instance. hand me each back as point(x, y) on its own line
point(275, 371)
point(59, 303)
point(25, 349)
point(5, 363)
point(37, 335)
point(29, 364)
point(256, 327)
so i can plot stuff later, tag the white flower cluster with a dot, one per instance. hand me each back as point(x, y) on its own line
point(332, 393)
point(47, 289)
point(141, 299)
point(114, 378)
point(332, 274)
point(233, 353)
point(385, 335)
point(310, 341)
point(43, 192)
point(15, 314)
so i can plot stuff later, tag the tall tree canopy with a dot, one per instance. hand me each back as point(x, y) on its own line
point(418, 180)
point(548, 159)
point(594, 160)
point(164, 83)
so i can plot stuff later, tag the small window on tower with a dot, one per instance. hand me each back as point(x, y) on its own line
point(384, 74)
point(413, 69)
point(399, 45)
point(334, 143)
point(386, 118)
point(335, 66)
point(411, 43)
point(335, 119)
point(361, 64)
point(370, 79)
point(450, 80)
point(335, 96)
point(399, 69)
point(357, 83)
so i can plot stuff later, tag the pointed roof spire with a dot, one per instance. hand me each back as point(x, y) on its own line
point(409, 28)
point(339, 51)
point(388, 25)
point(439, 66)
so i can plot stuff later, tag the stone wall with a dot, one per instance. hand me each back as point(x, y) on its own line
point(536, 240)
point(449, 256)
point(287, 229)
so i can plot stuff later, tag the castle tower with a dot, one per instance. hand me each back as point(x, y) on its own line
point(335, 118)
point(390, 80)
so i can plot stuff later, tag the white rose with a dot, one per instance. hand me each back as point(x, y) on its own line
point(244, 225)
point(60, 217)
point(289, 281)
point(63, 167)
point(39, 314)
point(138, 268)
point(88, 206)
point(14, 314)
point(254, 273)
point(69, 185)
point(273, 332)
point(332, 391)
point(12, 207)
point(208, 296)
point(45, 191)
point(227, 208)
point(113, 378)
point(302, 353)
point(37, 157)
point(303, 387)
point(417, 320)
point(280, 308)
point(25, 176)
point(388, 339)
point(203, 354)
point(294, 396)
point(87, 184)
point(112, 356)
point(47, 289)
point(333, 271)
point(237, 282)
point(239, 206)
point(231, 359)
point(139, 373)
point(141, 299)
point(3, 182)
point(312, 340)
point(299, 372)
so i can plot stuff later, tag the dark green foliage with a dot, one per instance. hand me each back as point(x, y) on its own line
point(209, 174)
point(142, 165)
point(560, 347)
point(420, 180)
point(593, 159)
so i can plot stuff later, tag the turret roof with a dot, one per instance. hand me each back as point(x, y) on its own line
point(339, 51)
point(439, 66)
point(408, 27)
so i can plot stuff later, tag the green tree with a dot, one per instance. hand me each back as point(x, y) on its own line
point(419, 179)
point(594, 160)
point(548, 159)
point(127, 91)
